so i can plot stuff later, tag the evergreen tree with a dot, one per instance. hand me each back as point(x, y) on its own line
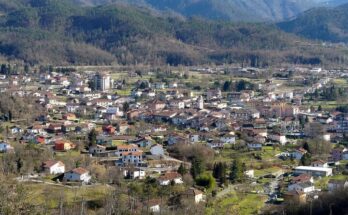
point(320, 108)
point(306, 159)
point(3, 69)
point(26, 68)
point(9, 115)
point(306, 146)
point(92, 138)
point(197, 167)
point(125, 107)
point(219, 171)
point(182, 170)
point(236, 174)
point(227, 86)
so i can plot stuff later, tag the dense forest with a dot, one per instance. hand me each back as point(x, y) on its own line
point(327, 24)
point(59, 32)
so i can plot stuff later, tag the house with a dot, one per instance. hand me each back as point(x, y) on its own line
point(169, 177)
point(335, 185)
point(298, 153)
point(192, 194)
point(143, 142)
point(302, 178)
point(313, 171)
point(176, 138)
point(194, 138)
point(62, 145)
point(104, 140)
point(15, 130)
point(54, 128)
point(159, 85)
point(214, 94)
point(280, 138)
point(36, 129)
point(249, 173)
point(345, 155)
point(68, 128)
point(97, 149)
point(77, 175)
point(154, 205)
point(177, 104)
point(125, 149)
point(320, 163)
point(228, 139)
point(306, 187)
point(112, 113)
point(156, 105)
point(135, 158)
point(53, 167)
point(69, 116)
point(254, 146)
point(215, 144)
point(4, 147)
point(157, 150)
point(134, 174)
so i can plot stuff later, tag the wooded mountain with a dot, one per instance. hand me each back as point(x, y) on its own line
point(58, 32)
point(235, 10)
point(328, 24)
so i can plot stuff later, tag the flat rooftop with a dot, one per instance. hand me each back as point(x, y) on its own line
point(312, 168)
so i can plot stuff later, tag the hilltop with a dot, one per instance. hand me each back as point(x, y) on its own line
point(59, 32)
point(326, 24)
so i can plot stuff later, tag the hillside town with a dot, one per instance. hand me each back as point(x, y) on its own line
point(208, 140)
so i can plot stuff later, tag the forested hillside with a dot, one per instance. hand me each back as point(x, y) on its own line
point(234, 10)
point(59, 32)
point(327, 24)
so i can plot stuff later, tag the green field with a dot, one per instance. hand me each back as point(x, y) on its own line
point(45, 194)
point(243, 204)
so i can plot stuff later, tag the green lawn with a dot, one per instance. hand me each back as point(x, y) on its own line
point(71, 153)
point(124, 92)
point(340, 82)
point(269, 153)
point(262, 172)
point(118, 142)
point(50, 194)
point(243, 204)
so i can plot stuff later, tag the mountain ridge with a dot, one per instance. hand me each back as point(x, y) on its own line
point(325, 24)
point(233, 10)
point(59, 33)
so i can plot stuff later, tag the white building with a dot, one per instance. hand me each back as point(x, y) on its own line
point(254, 146)
point(306, 187)
point(169, 177)
point(135, 158)
point(102, 81)
point(194, 194)
point(200, 103)
point(77, 175)
point(249, 173)
point(134, 174)
point(53, 167)
point(228, 139)
point(313, 171)
point(4, 147)
point(280, 138)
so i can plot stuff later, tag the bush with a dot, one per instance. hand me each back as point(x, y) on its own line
point(206, 180)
